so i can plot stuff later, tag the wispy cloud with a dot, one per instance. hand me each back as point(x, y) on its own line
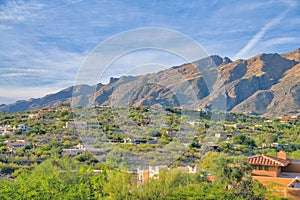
point(18, 10)
point(279, 41)
point(243, 52)
point(261, 33)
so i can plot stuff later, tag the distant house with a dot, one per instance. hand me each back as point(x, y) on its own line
point(279, 171)
point(153, 172)
point(236, 126)
point(65, 108)
point(13, 145)
point(6, 129)
point(288, 119)
point(48, 110)
point(77, 124)
point(219, 135)
point(178, 107)
point(135, 141)
point(193, 123)
point(23, 128)
point(38, 116)
point(72, 152)
point(268, 121)
point(172, 133)
point(211, 145)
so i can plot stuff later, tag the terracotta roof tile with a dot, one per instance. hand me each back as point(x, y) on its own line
point(266, 160)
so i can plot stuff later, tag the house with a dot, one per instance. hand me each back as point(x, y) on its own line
point(13, 145)
point(37, 116)
point(268, 121)
point(48, 110)
point(195, 123)
point(72, 152)
point(277, 173)
point(135, 141)
point(76, 150)
point(6, 129)
point(23, 128)
point(153, 172)
point(285, 120)
point(178, 107)
point(76, 125)
point(236, 126)
point(219, 135)
point(65, 108)
point(210, 145)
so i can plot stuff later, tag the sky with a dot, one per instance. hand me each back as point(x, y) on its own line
point(44, 44)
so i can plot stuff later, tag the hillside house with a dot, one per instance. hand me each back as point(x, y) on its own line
point(22, 128)
point(38, 116)
point(6, 129)
point(136, 141)
point(279, 171)
point(76, 125)
point(13, 145)
point(236, 126)
point(72, 152)
point(153, 172)
point(285, 120)
point(76, 150)
point(48, 110)
point(209, 145)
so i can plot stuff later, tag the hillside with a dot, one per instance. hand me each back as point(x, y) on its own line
point(267, 84)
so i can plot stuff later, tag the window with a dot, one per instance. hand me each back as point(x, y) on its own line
point(266, 168)
point(259, 167)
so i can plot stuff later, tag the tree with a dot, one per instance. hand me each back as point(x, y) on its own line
point(118, 186)
point(235, 175)
point(207, 161)
point(243, 140)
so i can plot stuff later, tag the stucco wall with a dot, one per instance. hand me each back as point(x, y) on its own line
point(272, 172)
point(292, 167)
point(274, 184)
point(292, 193)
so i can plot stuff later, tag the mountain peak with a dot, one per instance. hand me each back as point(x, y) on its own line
point(293, 55)
point(218, 60)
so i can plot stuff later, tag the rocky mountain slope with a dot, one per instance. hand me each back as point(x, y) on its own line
point(267, 84)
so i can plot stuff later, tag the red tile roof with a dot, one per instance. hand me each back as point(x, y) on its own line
point(266, 160)
point(289, 119)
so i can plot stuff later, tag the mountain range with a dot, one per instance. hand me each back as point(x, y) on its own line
point(266, 84)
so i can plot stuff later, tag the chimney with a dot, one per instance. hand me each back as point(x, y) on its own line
point(282, 155)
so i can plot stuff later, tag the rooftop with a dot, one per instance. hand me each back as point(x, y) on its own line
point(266, 160)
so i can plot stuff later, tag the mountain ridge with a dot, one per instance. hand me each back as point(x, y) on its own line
point(266, 84)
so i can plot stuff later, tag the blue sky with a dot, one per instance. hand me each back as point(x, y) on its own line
point(44, 43)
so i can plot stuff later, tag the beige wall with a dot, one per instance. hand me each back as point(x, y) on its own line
point(276, 185)
point(272, 172)
point(292, 193)
point(292, 167)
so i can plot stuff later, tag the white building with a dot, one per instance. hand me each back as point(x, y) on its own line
point(23, 127)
